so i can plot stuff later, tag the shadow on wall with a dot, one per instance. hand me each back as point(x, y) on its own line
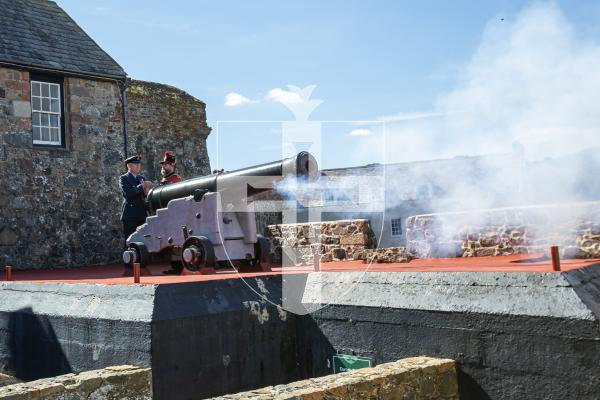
point(225, 339)
point(34, 350)
point(469, 389)
point(314, 350)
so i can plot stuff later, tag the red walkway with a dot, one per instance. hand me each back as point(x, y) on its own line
point(112, 274)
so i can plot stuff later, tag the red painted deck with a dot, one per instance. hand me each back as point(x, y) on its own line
point(112, 274)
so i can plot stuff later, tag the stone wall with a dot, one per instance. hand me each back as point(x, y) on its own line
point(384, 255)
point(339, 240)
point(574, 227)
point(6, 380)
point(120, 382)
point(60, 206)
point(418, 378)
point(162, 117)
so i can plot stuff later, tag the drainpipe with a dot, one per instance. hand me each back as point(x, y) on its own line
point(124, 111)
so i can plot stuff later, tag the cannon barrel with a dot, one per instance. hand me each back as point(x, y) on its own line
point(303, 165)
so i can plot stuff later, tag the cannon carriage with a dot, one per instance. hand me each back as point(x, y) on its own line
point(210, 220)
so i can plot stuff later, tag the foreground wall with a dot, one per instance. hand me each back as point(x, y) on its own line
point(513, 335)
point(200, 339)
point(575, 227)
point(419, 378)
point(120, 382)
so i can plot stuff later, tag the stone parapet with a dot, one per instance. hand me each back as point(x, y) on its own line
point(574, 227)
point(384, 255)
point(337, 240)
point(119, 382)
point(6, 380)
point(418, 378)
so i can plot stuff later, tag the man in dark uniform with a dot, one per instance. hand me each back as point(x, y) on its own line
point(134, 189)
point(169, 169)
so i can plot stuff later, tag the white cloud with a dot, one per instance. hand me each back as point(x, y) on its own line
point(235, 99)
point(410, 116)
point(284, 96)
point(361, 132)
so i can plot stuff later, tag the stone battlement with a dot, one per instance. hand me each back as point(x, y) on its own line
point(575, 227)
point(119, 382)
point(419, 378)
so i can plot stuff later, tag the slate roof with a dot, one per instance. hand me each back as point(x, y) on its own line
point(38, 33)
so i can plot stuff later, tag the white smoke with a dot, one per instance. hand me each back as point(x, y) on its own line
point(533, 79)
point(527, 102)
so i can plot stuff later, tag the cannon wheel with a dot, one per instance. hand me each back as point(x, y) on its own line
point(142, 255)
point(262, 248)
point(198, 255)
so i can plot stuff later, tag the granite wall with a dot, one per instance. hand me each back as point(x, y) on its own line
point(119, 382)
point(574, 227)
point(162, 117)
point(338, 240)
point(417, 378)
point(60, 205)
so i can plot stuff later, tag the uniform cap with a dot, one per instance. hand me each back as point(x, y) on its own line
point(133, 159)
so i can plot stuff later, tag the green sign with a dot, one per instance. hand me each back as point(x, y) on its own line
point(343, 363)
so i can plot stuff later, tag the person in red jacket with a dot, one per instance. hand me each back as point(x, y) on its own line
point(169, 169)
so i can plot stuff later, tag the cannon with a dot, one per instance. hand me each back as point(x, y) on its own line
point(207, 221)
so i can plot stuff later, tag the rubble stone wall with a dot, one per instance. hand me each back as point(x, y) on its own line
point(574, 227)
point(120, 382)
point(61, 205)
point(384, 255)
point(162, 117)
point(339, 240)
point(6, 380)
point(418, 378)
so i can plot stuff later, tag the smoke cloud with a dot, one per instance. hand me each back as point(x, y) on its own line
point(532, 79)
point(526, 103)
point(532, 88)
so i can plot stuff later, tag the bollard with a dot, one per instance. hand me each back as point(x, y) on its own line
point(317, 262)
point(555, 258)
point(136, 272)
point(8, 271)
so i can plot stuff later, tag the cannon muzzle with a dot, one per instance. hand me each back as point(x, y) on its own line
point(256, 179)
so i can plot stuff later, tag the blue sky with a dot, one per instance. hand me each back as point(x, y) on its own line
point(408, 63)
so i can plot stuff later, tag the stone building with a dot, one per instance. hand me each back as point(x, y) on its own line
point(63, 137)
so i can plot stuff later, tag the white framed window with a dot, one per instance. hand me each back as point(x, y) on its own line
point(46, 112)
point(396, 226)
